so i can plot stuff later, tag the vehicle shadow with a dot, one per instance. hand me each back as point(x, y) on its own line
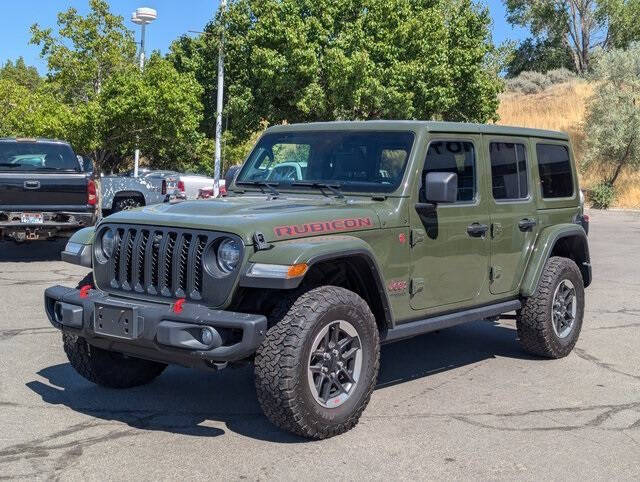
point(31, 250)
point(183, 401)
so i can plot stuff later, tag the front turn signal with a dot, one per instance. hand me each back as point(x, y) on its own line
point(297, 270)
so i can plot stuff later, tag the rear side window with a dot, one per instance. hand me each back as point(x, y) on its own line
point(457, 157)
point(555, 170)
point(508, 170)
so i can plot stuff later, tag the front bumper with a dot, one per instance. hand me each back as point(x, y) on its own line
point(156, 332)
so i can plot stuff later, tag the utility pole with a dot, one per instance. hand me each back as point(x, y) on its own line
point(142, 16)
point(216, 166)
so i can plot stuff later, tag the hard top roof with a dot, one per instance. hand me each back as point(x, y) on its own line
point(431, 126)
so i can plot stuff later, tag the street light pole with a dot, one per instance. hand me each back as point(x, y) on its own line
point(142, 16)
point(219, 100)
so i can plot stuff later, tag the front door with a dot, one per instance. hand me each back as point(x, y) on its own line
point(450, 245)
point(514, 225)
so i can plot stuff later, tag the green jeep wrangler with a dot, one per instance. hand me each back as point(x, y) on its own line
point(335, 238)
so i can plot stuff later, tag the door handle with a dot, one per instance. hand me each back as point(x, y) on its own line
point(527, 224)
point(477, 230)
point(32, 184)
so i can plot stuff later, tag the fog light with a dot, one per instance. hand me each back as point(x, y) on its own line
point(206, 336)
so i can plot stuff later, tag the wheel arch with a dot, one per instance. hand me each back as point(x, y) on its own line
point(129, 194)
point(565, 240)
point(358, 271)
point(344, 261)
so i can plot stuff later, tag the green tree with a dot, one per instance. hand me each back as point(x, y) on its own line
point(612, 122)
point(21, 74)
point(110, 106)
point(114, 106)
point(539, 55)
point(86, 51)
point(622, 18)
point(32, 113)
point(579, 25)
point(311, 60)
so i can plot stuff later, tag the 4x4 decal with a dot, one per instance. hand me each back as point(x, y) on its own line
point(323, 227)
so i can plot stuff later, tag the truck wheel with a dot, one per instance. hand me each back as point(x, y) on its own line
point(549, 322)
point(318, 365)
point(126, 203)
point(107, 368)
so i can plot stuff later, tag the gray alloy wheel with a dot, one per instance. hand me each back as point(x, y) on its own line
point(334, 364)
point(563, 309)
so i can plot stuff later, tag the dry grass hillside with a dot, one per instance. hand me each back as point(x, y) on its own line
point(562, 107)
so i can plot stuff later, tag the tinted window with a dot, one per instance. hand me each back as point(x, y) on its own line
point(354, 160)
point(37, 156)
point(508, 170)
point(555, 170)
point(457, 157)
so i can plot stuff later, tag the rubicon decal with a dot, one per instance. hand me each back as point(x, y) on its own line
point(323, 227)
point(397, 286)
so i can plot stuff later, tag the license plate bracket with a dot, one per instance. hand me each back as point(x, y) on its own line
point(118, 321)
point(31, 218)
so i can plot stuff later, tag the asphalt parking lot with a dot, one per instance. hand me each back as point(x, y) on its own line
point(464, 403)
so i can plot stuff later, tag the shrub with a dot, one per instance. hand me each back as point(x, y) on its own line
point(559, 76)
point(522, 86)
point(536, 77)
point(602, 195)
point(612, 121)
point(528, 83)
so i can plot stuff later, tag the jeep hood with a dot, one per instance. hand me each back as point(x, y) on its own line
point(277, 219)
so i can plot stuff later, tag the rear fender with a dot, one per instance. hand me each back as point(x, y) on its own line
point(567, 240)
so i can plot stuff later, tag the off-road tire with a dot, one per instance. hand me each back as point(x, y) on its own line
point(282, 358)
point(107, 368)
point(534, 320)
point(126, 203)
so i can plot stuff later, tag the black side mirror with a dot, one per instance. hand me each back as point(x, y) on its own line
point(441, 187)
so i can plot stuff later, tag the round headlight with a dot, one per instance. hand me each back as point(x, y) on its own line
point(107, 243)
point(228, 255)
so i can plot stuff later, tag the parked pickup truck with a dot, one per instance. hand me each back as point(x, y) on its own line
point(44, 191)
point(123, 192)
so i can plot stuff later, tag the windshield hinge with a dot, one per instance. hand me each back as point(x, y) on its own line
point(260, 243)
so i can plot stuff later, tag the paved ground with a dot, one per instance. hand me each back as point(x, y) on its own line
point(465, 403)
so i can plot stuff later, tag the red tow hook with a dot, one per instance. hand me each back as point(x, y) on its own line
point(84, 291)
point(177, 306)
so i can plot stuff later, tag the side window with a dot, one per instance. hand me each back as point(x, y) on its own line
point(555, 170)
point(458, 157)
point(508, 170)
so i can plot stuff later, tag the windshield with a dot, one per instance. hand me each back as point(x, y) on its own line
point(359, 161)
point(37, 156)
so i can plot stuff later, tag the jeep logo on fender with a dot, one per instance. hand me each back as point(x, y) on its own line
point(323, 227)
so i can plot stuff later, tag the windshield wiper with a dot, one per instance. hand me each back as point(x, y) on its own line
point(334, 188)
point(9, 164)
point(261, 184)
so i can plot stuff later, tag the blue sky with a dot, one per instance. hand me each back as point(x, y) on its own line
point(175, 17)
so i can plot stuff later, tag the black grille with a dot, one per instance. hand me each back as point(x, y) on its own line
point(157, 262)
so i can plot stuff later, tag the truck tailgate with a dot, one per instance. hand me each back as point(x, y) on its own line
point(64, 191)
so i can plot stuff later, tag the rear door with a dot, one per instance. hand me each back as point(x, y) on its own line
point(450, 250)
point(514, 225)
